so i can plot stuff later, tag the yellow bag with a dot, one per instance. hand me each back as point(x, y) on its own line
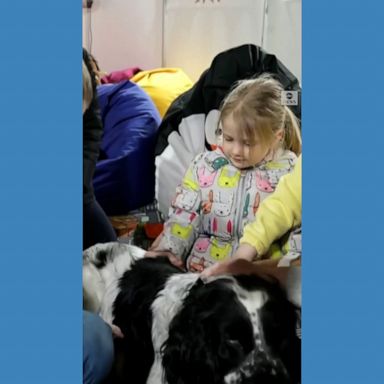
point(163, 85)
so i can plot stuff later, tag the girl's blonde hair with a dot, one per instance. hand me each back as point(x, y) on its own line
point(87, 88)
point(256, 107)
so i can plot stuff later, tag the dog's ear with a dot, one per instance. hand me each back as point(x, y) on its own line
point(197, 358)
point(186, 355)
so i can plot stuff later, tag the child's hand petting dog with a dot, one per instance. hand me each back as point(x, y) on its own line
point(176, 261)
point(239, 266)
point(154, 251)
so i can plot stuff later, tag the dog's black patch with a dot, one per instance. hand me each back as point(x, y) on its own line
point(212, 335)
point(101, 259)
point(209, 337)
point(132, 313)
point(278, 318)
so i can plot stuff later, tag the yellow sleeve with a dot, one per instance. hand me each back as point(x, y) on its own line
point(278, 213)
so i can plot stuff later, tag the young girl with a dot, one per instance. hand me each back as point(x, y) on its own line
point(222, 189)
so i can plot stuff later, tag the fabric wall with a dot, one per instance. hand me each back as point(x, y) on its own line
point(189, 33)
point(125, 33)
point(195, 31)
point(282, 32)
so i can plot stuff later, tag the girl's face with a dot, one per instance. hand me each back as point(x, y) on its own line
point(241, 152)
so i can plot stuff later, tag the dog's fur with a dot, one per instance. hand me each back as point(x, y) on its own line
point(180, 330)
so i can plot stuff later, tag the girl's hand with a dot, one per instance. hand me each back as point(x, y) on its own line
point(246, 251)
point(176, 261)
point(239, 266)
point(235, 266)
point(156, 243)
point(154, 251)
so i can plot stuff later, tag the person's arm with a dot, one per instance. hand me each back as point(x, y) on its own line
point(182, 226)
point(277, 214)
point(267, 271)
point(92, 134)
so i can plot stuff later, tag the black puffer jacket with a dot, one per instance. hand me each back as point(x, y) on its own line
point(235, 64)
point(92, 133)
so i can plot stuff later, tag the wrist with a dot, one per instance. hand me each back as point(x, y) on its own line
point(247, 252)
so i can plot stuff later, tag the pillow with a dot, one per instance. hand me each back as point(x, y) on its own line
point(117, 76)
point(124, 176)
point(163, 85)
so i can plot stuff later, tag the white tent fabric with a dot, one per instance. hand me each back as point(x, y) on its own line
point(196, 31)
point(123, 33)
point(282, 32)
point(189, 33)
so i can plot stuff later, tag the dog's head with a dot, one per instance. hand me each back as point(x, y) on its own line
point(104, 264)
point(209, 337)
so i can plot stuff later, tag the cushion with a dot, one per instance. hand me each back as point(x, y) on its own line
point(124, 176)
point(163, 85)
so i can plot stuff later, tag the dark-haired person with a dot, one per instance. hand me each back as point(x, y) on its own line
point(96, 226)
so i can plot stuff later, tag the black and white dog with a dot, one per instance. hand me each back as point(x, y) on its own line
point(181, 330)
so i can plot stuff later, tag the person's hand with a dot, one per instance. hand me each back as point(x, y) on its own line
point(116, 331)
point(156, 243)
point(155, 251)
point(176, 261)
point(238, 266)
point(246, 251)
point(234, 266)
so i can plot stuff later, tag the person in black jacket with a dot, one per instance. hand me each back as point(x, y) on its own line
point(96, 226)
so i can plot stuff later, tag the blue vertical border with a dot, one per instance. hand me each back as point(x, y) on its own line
point(343, 136)
point(41, 192)
point(40, 205)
